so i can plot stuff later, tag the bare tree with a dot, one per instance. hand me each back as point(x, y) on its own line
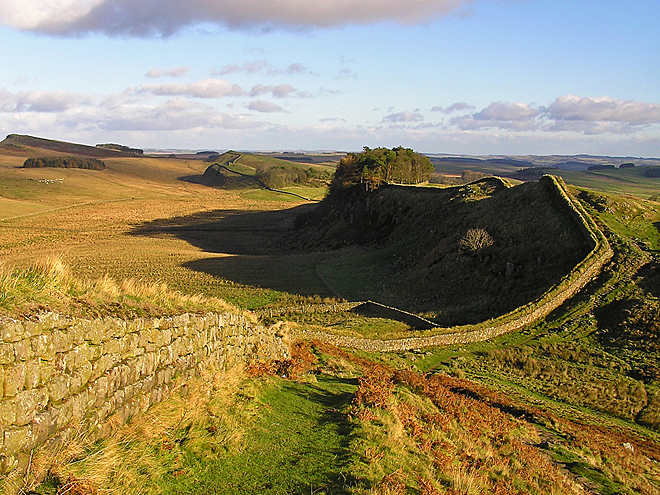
point(476, 239)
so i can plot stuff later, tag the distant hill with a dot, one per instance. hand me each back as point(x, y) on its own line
point(18, 142)
point(121, 147)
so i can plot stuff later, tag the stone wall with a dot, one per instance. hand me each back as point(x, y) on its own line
point(570, 285)
point(59, 375)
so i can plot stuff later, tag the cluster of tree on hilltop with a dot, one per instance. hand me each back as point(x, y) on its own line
point(373, 167)
point(120, 147)
point(281, 176)
point(64, 162)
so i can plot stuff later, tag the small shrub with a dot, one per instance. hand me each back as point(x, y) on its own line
point(476, 239)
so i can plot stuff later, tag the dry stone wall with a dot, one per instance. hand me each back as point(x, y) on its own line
point(570, 285)
point(59, 375)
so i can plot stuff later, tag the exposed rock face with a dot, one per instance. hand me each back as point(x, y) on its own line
point(428, 265)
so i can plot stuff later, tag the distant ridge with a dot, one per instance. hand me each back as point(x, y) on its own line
point(14, 141)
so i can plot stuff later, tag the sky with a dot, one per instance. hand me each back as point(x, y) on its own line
point(479, 77)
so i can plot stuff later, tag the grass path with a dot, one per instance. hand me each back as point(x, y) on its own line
point(298, 445)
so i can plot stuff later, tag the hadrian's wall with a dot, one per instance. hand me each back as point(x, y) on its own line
point(581, 275)
point(60, 374)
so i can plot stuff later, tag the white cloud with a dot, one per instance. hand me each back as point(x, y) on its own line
point(403, 117)
point(279, 91)
point(173, 115)
point(454, 107)
point(174, 72)
point(346, 74)
point(247, 67)
point(165, 17)
point(605, 109)
point(42, 101)
point(261, 65)
point(208, 88)
point(264, 107)
point(506, 112)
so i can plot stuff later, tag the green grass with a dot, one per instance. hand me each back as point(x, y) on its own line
point(618, 181)
point(298, 444)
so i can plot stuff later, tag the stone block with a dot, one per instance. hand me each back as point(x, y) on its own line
point(103, 364)
point(59, 387)
point(78, 332)
point(18, 439)
point(23, 350)
point(118, 328)
point(32, 373)
point(80, 404)
point(131, 346)
point(7, 355)
point(61, 414)
point(94, 334)
point(14, 379)
point(80, 378)
point(46, 371)
point(7, 413)
point(11, 330)
point(44, 427)
point(43, 346)
point(27, 404)
point(62, 341)
point(100, 391)
point(111, 346)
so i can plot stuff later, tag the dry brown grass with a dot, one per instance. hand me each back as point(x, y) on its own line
point(130, 460)
point(50, 285)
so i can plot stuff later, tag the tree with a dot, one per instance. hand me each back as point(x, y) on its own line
point(381, 165)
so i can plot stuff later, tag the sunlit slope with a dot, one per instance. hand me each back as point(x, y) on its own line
point(28, 191)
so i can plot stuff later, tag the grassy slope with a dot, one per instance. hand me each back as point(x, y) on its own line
point(344, 424)
point(90, 222)
point(588, 369)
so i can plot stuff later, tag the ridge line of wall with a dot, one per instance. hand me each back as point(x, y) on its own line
point(522, 316)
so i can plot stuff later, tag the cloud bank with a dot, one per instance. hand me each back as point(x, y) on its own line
point(141, 115)
point(166, 17)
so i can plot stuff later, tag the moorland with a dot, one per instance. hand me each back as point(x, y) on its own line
point(567, 404)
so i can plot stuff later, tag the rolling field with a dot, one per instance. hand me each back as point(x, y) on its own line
point(98, 223)
point(558, 402)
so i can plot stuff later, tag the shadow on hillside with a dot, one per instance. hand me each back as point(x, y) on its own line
point(650, 278)
point(237, 232)
point(222, 181)
point(254, 245)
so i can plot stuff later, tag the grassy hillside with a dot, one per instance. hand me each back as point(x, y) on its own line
point(413, 247)
point(569, 405)
point(331, 422)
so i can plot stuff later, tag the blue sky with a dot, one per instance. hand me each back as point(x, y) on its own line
point(442, 76)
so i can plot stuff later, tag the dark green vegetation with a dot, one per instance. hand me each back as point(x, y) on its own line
point(120, 147)
point(233, 170)
point(459, 255)
point(65, 162)
point(371, 168)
